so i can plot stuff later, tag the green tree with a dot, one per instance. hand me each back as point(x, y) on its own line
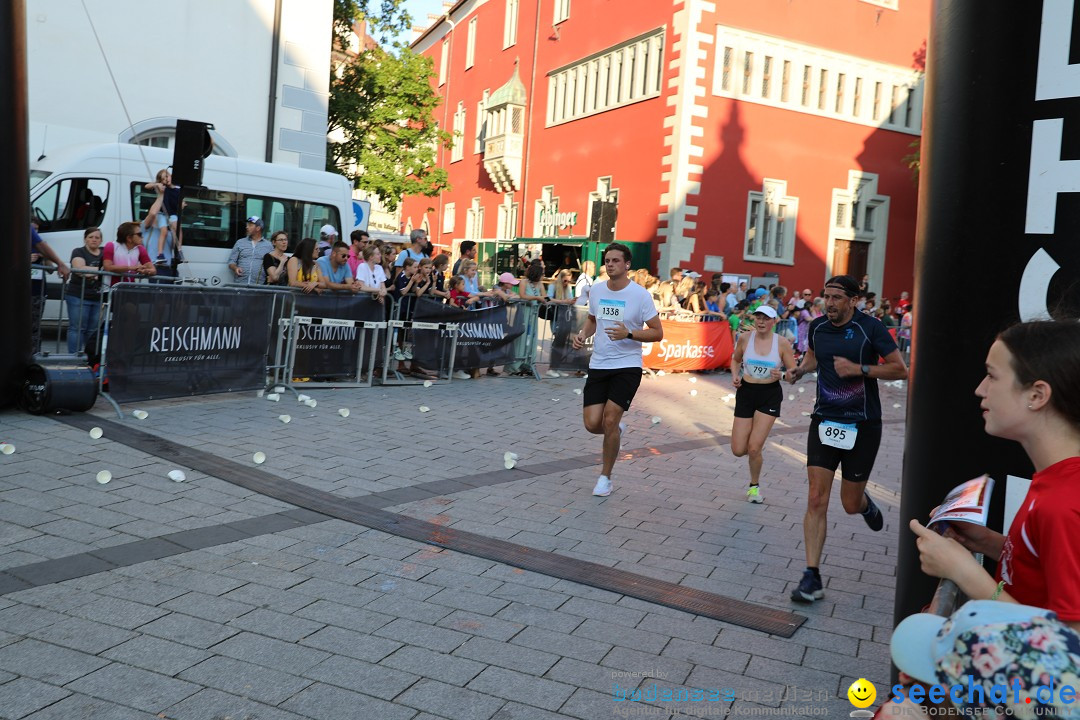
point(382, 105)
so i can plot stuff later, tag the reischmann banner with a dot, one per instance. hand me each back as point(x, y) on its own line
point(172, 341)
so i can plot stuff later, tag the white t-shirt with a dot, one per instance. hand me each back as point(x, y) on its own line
point(367, 276)
point(633, 307)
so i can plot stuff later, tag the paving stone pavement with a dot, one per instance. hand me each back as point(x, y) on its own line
point(267, 611)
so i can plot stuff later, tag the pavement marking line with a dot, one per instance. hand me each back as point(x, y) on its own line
point(699, 602)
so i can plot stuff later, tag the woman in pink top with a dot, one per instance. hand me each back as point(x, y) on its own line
point(127, 255)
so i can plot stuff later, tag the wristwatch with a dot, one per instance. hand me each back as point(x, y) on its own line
point(629, 334)
point(865, 370)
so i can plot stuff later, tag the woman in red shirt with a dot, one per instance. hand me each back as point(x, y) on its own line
point(1031, 394)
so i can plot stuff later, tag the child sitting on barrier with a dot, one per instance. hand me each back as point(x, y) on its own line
point(458, 295)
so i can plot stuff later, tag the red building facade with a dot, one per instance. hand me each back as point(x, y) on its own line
point(747, 138)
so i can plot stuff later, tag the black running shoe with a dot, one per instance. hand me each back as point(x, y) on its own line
point(872, 515)
point(809, 588)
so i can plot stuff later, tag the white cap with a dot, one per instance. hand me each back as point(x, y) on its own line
point(328, 230)
point(765, 310)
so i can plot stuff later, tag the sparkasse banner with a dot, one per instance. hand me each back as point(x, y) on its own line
point(690, 346)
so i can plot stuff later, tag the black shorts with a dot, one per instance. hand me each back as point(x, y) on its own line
point(857, 463)
point(618, 385)
point(758, 397)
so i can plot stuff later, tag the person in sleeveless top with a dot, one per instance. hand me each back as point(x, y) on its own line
point(760, 359)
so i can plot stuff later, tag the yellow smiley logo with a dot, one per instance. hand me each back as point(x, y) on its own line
point(862, 693)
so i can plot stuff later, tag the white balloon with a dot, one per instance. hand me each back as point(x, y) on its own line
point(96, 433)
point(104, 476)
point(258, 458)
point(177, 475)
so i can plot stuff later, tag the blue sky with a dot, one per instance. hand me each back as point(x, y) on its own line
point(419, 10)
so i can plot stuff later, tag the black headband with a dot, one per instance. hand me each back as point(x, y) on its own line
point(845, 283)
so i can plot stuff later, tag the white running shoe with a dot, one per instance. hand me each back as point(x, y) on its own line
point(398, 355)
point(603, 487)
point(753, 494)
point(462, 375)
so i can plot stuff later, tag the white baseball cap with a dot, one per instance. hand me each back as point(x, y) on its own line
point(328, 230)
point(765, 310)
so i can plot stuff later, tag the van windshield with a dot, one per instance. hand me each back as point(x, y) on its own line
point(36, 176)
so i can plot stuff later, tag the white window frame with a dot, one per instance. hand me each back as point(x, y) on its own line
point(448, 218)
point(621, 75)
point(848, 221)
point(457, 152)
point(474, 220)
point(775, 219)
point(548, 202)
point(507, 217)
point(890, 97)
point(481, 123)
point(444, 60)
point(510, 24)
point(562, 11)
point(470, 44)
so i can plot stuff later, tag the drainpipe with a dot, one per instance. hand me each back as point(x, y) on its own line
point(529, 128)
point(271, 112)
point(446, 109)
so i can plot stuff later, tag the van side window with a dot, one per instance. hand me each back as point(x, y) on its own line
point(207, 217)
point(211, 218)
point(71, 204)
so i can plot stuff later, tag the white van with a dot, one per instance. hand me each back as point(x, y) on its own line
point(103, 185)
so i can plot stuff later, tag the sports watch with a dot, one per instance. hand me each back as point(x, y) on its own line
point(865, 370)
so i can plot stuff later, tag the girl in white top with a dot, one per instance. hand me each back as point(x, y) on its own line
point(370, 273)
point(759, 361)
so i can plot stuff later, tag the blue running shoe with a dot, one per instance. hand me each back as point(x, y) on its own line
point(872, 515)
point(809, 588)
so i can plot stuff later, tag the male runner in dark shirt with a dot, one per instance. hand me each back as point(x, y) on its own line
point(845, 430)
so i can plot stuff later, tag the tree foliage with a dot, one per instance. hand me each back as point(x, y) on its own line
point(382, 104)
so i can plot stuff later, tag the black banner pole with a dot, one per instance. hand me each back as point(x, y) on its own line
point(15, 233)
point(999, 222)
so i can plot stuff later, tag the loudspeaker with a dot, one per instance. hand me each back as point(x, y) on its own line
point(59, 387)
point(602, 225)
point(193, 145)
